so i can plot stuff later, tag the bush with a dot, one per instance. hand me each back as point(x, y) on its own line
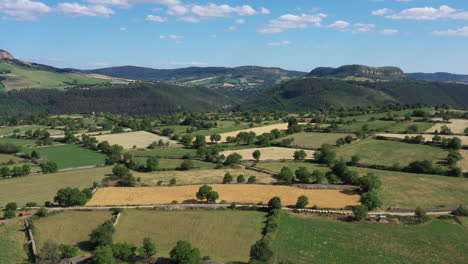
point(42, 212)
point(49, 167)
point(360, 212)
point(186, 165)
point(183, 253)
point(252, 179)
point(102, 235)
point(227, 178)
point(233, 158)
point(240, 179)
point(460, 211)
point(369, 182)
point(421, 215)
point(302, 201)
point(261, 251)
point(274, 203)
point(9, 148)
point(371, 200)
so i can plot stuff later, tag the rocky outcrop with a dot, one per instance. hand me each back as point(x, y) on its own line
point(6, 55)
point(387, 73)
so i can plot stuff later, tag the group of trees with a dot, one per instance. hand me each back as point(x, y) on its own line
point(123, 175)
point(228, 178)
point(6, 171)
point(207, 193)
point(9, 148)
point(342, 141)
point(72, 196)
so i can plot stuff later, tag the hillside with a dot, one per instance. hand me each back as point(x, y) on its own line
point(314, 93)
point(440, 77)
point(359, 72)
point(245, 77)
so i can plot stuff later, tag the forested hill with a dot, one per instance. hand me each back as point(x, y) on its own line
point(359, 71)
point(440, 77)
point(136, 98)
point(314, 93)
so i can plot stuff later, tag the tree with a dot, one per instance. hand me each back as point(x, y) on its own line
point(199, 141)
point(215, 138)
point(453, 157)
point(183, 253)
point(187, 140)
point(42, 212)
point(454, 143)
point(120, 171)
point(186, 165)
point(148, 249)
point(252, 179)
point(11, 206)
point(303, 175)
point(68, 251)
point(102, 235)
point(355, 160)
point(35, 155)
point(261, 251)
point(369, 182)
point(173, 181)
point(340, 142)
point(360, 212)
point(256, 155)
point(103, 255)
point(412, 129)
point(285, 176)
point(203, 192)
point(274, 203)
point(50, 252)
point(466, 131)
point(240, 179)
point(9, 214)
point(371, 200)
point(152, 164)
point(124, 251)
point(318, 176)
point(128, 180)
point(212, 196)
point(302, 201)
point(49, 167)
point(326, 155)
point(299, 155)
point(233, 158)
point(71, 197)
point(460, 211)
point(227, 178)
point(421, 214)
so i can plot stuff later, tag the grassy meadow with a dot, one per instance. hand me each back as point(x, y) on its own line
point(164, 152)
point(10, 130)
point(71, 156)
point(315, 140)
point(12, 239)
point(321, 240)
point(175, 163)
point(24, 143)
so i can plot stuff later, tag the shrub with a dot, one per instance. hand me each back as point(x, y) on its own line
point(227, 178)
point(299, 155)
point(285, 176)
point(102, 235)
point(371, 200)
point(49, 167)
point(183, 253)
point(186, 165)
point(421, 215)
point(240, 179)
point(460, 211)
point(261, 251)
point(9, 148)
point(302, 201)
point(369, 182)
point(252, 179)
point(274, 203)
point(42, 212)
point(233, 158)
point(360, 212)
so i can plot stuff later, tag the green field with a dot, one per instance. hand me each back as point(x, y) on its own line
point(165, 152)
point(371, 125)
point(322, 240)
point(175, 163)
point(71, 156)
point(9, 130)
point(386, 152)
point(21, 78)
point(24, 143)
point(223, 235)
point(12, 238)
point(43, 187)
point(69, 227)
point(315, 140)
point(402, 126)
point(402, 189)
point(4, 158)
point(382, 115)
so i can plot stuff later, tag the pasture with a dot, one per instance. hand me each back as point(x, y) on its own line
point(70, 156)
point(140, 139)
point(403, 126)
point(176, 152)
point(386, 152)
point(12, 239)
point(173, 164)
point(69, 227)
point(270, 153)
point(24, 143)
point(43, 187)
point(402, 189)
point(306, 240)
point(315, 140)
point(198, 176)
point(456, 125)
point(5, 131)
point(464, 139)
point(238, 193)
point(224, 235)
point(464, 162)
point(371, 125)
point(4, 158)
point(257, 130)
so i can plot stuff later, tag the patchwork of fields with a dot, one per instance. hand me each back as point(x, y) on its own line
point(315, 140)
point(256, 130)
point(239, 193)
point(270, 153)
point(140, 139)
point(456, 126)
point(464, 139)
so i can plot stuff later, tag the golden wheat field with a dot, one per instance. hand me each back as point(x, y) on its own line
point(464, 139)
point(456, 125)
point(256, 130)
point(238, 193)
point(140, 139)
point(271, 153)
point(464, 162)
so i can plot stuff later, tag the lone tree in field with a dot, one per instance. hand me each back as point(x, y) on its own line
point(256, 155)
point(302, 201)
point(199, 141)
point(152, 164)
point(285, 176)
point(369, 182)
point(206, 192)
point(252, 179)
point(233, 158)
point(240, 179)
point(215, 138)
point(300, 155)
point(303, 175)
point(274, 203)
point(371, 200)
point(183, 253)
point(49, 167)
point(227, 178)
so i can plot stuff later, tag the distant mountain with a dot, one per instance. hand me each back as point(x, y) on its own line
point(245, 77)
point(315, 93)
point(6, 55)
point(440, 77)
point(359, 72)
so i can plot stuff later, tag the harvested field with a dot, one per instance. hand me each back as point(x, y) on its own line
point(456, 125)
point(230, 235)
point(271, 153)
point(464, 162)
point(140, 139)
point(198, 176)
point(464, 139)
point(315, 140)
point(239, 193)
point(256, 130)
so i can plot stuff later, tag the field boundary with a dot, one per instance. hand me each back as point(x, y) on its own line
point(31, 243)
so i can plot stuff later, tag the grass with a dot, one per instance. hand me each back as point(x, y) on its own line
point(43, 187)
point(71, 156)
point(372, 125)
point(164, 152)
point(9, 130)
point(140, 139)
point(238, 193)
point(4, 158)
point(402, 126)
point(198, 176)
point(12, 238)
point(69, 227)
point(175, 163)
point(223, 235)
point(386, 152)
point(402, 189)
point(381, 115)
point(24, 143)
point(315, 140)
point(320, 240)
point(269, 153)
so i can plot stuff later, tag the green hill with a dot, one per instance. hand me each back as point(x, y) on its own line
point(359, 72)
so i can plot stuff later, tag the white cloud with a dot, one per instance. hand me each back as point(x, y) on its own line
point(75, 9)
point(190, 19)
point(363, 28)
point(231, 28)
point(281, 43)
point(129, 3)
point(340, 24)
point(177, 10)
point(382, 12)
point(290, 21)
point(212, 11)
point(123, 29)
point(153, 18)
point(264, 11)
point(431, 13)
point(389, 31)
point(171, 37)
point(460, 32)
point(315, 9)
point(25, 10)
point(240, 21)
point(100, 64)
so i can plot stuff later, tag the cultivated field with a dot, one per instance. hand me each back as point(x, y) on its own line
point(403, 126)
point(256, 130)
point(12, 239)
point(140, 139)
point(456, 125)
point(400, 188)
point(270, 153)
point(464, 139)
point(70, 156)
point(239, 193)
point(175, 163)
point(223, 235)
point(4, 158)
point(43, 187)
point(4, 131)
point(323, 240)
point(69, 227)
point(164, 152)
point(316, 140)
point(386, 152)
point(199, 176)
point(464, 162)
point(24, 143)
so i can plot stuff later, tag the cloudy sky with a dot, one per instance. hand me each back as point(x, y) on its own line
point(417, 35)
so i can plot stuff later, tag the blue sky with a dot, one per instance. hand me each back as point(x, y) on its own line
point(416, 35)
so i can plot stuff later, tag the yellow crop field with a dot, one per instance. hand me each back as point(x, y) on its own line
point(140, 139)
point(239, 193)
point(464, 162)
point(256, 130)
point(456, 125)
point(464, 139)
point(271, 153)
